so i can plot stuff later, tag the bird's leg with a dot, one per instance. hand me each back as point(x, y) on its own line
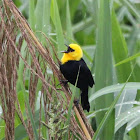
point(76, 102)
point(64, 82)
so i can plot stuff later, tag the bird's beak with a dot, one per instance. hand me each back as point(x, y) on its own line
point(65, 51)
point(67, 45)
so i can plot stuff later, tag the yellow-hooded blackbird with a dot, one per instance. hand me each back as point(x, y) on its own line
point(72, 63)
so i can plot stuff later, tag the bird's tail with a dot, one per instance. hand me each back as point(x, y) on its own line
point(84, 100)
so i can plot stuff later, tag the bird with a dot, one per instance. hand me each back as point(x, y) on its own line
point(76, 71)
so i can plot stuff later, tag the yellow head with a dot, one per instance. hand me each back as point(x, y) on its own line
point(74, 52)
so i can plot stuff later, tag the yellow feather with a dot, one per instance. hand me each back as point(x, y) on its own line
point(76, 55)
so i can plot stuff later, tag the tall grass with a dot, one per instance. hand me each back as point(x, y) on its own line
point(34, 105)
point(104, 67)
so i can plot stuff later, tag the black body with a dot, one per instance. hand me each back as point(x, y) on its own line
point(70, 71)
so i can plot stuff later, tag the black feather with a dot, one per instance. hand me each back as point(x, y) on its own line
point(70, 71)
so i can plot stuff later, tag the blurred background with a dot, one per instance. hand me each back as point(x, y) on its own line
point(109, 34)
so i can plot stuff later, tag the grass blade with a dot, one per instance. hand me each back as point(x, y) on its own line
point(32, 120)
point(31, 14)
point(68, 22)
point(132, 124)
point(39, 17)
point(108, 113)
point(104, 67)
point(71, 104)
point(132, 8)
point(127, 116)
point(58, 27)
point(127, 59)
point(46, 18)
point(120, 51)
point(114, 88)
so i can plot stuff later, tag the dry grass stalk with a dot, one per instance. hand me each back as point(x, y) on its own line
point(9, 60)
point(8, 78)
point(31, 40)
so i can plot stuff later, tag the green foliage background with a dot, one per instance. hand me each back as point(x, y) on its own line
point(109, 34)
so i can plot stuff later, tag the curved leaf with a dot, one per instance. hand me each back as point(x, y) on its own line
point(126, 117)
point(114, 88)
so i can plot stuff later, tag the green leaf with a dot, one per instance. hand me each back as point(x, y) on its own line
point(120, 51)
point(107, 115)
point(57, 22)
point(133, 123)
point(127, 59)
point(20, 132)
point(21, 100)
point(82, 25)
point(132, 8)
point(32, 119)
point(68, 22)
point(114, 88)
point(93, 114)
point(132, 40)
point(126, 117)
point(46, 27)
point(104, 68)
point(21, 68)
point(31, 14)
point(39, 17)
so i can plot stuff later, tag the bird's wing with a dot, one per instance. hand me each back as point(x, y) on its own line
point(86, 70)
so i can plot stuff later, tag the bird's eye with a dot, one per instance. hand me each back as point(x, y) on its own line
point(70, 49)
